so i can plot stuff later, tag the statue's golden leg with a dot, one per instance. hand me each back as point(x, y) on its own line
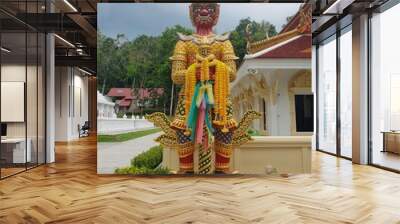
point(223, 150)
point(185, 146)
point(205, 153)
point(223, 143)
point(223, 154)
point(186, 158)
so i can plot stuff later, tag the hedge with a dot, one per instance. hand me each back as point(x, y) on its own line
point(148, 159)
point(146, 163)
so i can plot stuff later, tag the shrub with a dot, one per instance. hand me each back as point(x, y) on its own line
point(142, 171)
point(253, 132)
point(146, 163)
point(120, 114)
point(148, 159)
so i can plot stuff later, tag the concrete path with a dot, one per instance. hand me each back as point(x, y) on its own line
point(119, 154)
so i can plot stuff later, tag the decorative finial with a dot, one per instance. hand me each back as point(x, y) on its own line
point(305, 20)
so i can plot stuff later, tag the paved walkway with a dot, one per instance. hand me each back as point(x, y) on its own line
point(119, 154)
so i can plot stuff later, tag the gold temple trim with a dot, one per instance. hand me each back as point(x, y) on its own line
point(266, 43)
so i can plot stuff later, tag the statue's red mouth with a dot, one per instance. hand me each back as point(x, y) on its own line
point(204, 19)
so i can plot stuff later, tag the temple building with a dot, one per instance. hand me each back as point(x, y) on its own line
point(275, 80)
point(132, 100)
point(105, 106)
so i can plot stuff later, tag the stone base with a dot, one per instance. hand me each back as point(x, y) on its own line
point(285, 154)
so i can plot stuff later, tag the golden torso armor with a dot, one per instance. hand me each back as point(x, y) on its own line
point(187, 48)
point(185, 54)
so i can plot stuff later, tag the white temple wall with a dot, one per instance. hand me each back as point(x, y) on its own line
point(278, 100)
point(283, 108)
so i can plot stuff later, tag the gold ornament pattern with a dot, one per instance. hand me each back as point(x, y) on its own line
point(240, 135)
point(169, 139)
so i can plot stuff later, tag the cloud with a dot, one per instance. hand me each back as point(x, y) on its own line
point(133, 19)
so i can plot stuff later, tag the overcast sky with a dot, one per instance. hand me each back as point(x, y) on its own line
point(133, 19)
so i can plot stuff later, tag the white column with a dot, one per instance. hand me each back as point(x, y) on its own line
point(360, 90)
point(50, 100)
point(63, 104)
point(314, 92)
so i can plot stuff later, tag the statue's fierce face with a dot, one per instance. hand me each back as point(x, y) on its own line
point(204, 14)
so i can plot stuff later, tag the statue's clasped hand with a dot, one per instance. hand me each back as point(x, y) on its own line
point(204, 63)
point(209, 58)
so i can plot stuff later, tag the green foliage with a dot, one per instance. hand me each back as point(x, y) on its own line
point(126, 136)
point(120, 114)
point(142, 171)
point(146, 163)
point(149, 159)
point(253, 132)
point(111, 69)
point(140, 63)
point(258, 32)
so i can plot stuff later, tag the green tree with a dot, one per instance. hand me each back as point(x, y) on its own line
point(258, 32)
point(166, 46)
point(140, 63)
point(110, 66)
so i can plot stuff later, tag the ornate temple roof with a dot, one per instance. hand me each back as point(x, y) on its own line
point(294, 41)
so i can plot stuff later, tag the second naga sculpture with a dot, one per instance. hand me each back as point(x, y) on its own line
point(204, 64)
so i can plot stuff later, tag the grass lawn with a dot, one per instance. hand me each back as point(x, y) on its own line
point(126, 136)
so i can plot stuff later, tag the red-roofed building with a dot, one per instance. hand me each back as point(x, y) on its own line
point(130, 100)
point(275, 79)
point(122, 97)
point(120, 92)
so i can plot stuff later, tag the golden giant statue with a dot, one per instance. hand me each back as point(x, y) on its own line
point(204, 64)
